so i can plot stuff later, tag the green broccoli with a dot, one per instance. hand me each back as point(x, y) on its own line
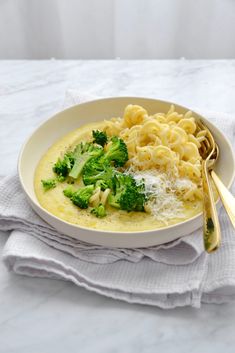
point(63, 166)
point(98, 173)
point(116, 152)
point(99, 211)
point(60, 178)
point(100, 137)
point(80, 197)
point(82, 154)
point(126, 194)
point(48, 184)
point(69, 192)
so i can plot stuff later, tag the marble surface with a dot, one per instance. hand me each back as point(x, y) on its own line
point(40, 315)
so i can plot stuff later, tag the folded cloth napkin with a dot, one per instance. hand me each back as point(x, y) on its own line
point(170, 275)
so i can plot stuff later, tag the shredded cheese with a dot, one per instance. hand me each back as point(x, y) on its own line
point(164, 194)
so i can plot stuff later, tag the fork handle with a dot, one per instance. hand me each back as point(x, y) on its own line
point(211, 227)
point(226, 197)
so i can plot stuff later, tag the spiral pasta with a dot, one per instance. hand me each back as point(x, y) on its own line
point(168, 142)
point(99, 197)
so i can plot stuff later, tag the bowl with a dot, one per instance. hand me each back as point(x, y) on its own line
point(65, 121)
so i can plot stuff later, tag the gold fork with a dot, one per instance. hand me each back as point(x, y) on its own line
point(226, 196)
point(211, 226)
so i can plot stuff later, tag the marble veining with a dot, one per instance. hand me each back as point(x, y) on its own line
point(40, 315)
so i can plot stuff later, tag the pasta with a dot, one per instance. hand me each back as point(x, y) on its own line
point(99, 197)
point(167, 142)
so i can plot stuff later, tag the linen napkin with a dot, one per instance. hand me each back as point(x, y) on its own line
point(170, 275)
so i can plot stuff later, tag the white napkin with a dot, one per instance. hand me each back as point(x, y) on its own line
point(175, 274)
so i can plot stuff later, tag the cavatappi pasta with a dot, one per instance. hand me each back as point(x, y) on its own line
point(167, 142)
point(99, 197)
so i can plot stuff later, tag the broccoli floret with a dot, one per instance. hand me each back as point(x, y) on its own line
point(100, 137)
point(80, 197)
point(63, 166)
point(99, 211)
point(69, 192)
point(116, 152)
point(126, 195)
point(60, 178)
point(48, 184)
point(98, 173)
point(82, 154)
point(121, 180)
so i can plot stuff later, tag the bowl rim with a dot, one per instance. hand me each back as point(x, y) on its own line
point(107, 232)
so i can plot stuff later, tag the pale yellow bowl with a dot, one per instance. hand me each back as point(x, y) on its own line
point(70, 119)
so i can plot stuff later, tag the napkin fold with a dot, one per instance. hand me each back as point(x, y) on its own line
point(175, 274)
point(16, 213)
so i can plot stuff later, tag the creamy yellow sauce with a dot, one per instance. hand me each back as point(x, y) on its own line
point(56, 203)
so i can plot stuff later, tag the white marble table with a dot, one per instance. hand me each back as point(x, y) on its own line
point(39, 315)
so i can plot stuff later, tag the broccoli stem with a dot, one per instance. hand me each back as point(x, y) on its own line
point(82, 154)
point(79, 165)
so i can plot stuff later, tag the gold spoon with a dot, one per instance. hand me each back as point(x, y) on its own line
point(226, 196)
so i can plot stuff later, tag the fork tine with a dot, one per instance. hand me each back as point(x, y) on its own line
point(203, 151)
point(208, 136)
point(208, 143)
point(200, 124)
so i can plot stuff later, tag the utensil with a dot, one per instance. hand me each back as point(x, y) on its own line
point(211, 226)
point(226, 196)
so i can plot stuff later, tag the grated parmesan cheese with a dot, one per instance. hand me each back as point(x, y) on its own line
point(163, 204)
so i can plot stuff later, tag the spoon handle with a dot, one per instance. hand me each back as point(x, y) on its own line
point(211, 227)
point(226, 197)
